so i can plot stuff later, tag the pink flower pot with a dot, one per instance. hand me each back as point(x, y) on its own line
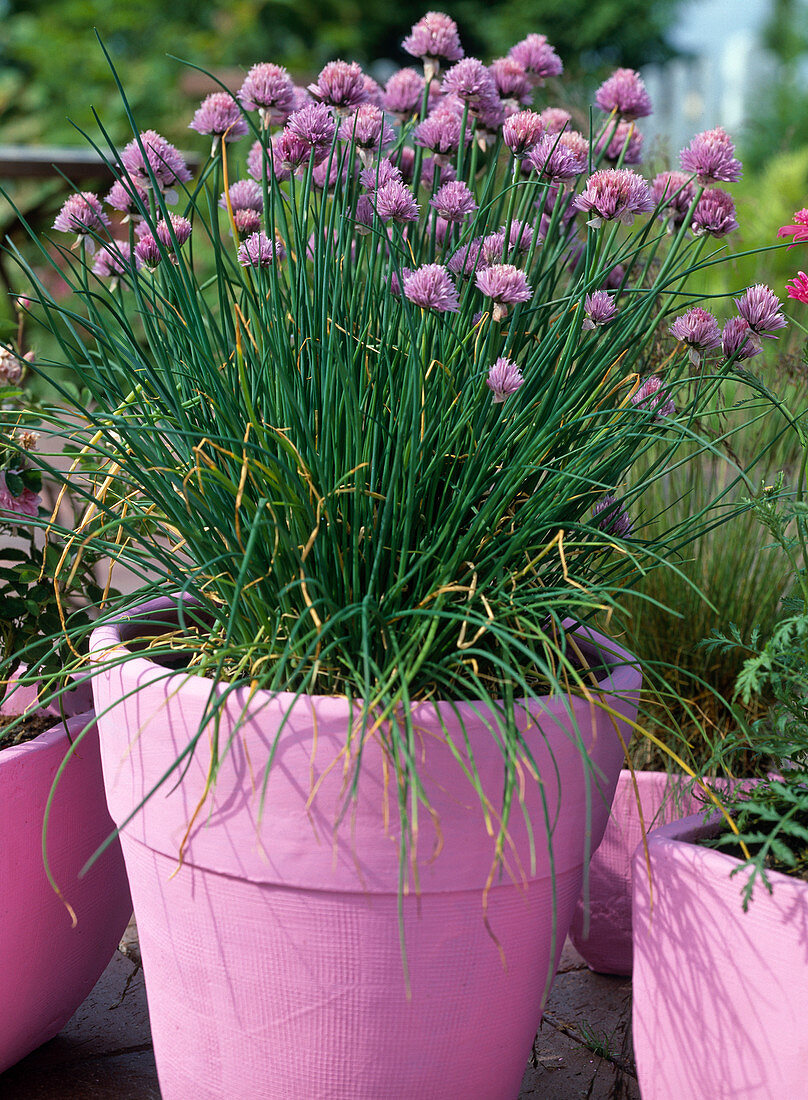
point(720, 995)
point(604, 940)
point(273, 954)
point(47, 966)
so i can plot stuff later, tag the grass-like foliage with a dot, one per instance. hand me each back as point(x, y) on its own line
point(381, 432)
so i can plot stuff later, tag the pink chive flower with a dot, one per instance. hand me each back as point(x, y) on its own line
point(760, 308)
point(520, 239)
point(673, 193)
point(653, 396)
point(289, 153)
point(147, 252)
point(434, 39)
point(431, 287)
point(373, 90)
point(555, 119)
point(268, 89)
point(218, 114)
point(403, 94)
point(521, 131)
point(454, 201)
point(315, 126)
point(555, 160)
point(504, 378)
point(625, 94)
point(511, 81)
point(505, 285)
point(368, 129)
point(259, 251)
point(736, 341)
point(468, 259)
point(395, 202)
point(625, 142)
point(162, 161)
point(599, 308)
point(11, 368)
point(124, 196)
point(611, 517)
point(799, 229)
point(244, 195)
point(114, 260)
point(178, 230)
point(698, 330)
point(25, 505)
point(429, 165)
point(440, 133)
point(83, 215)
point(710, 157)
point(714, 215)
point(537, 57)
point(798, 287)
point(379, 174)
point(472, 83)
point(335, 172)
point(614, 194)
point(341, 84)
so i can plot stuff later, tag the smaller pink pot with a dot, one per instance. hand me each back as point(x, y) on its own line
point(604, 940)
point(720, 995)
point(47, 966)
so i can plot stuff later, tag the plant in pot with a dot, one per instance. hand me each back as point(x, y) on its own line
point(365, 400)
point(58, 930)
point(720, 921)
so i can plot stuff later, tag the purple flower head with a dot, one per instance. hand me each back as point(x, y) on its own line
point(468, 259)
point(504, 378)
point(373, 91)
point(114, 260)
point(268, 89)
point(244, 195)
point(653, 397)
point(611, 517)
point(121, 196)
point(737, 341)
point(395, 202)
point(315, 126)
point(364, 214)
point(219, 114)
point(537, 57)
point(333, 172)
point(626, 142)
point(434, 38)
point(246, 222)
point(287, 153)
point(614, 280)
point(698, 330)
point(11, 368)
point(82, 214)
point(472, 83)
point(599, 308)
point(512, 81)
point(11, 506)
point(403, 94)
point(714, 215)
point(505, 285)
point(162, 160)
point(341, 84)
point(259, 251)
point(614, 194)
point(555, 119)
point(379, 174)
point(555, 160)
point(710, 156)
point(625, 94)
point(367, 128)
point(454, 201)
point(147, 252)
point(521, 131)
point(760, 308)
point(178, 229)
point(520, 240)
point(440, 133)
point(673, 192)
point(428, 168)
point(431, 287)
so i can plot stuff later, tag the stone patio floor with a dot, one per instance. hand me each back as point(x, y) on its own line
point(582, 1050)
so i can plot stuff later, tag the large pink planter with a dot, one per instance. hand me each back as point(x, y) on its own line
point(604, 940)
point(48, 967)
point(273, 956)
point(720, 995)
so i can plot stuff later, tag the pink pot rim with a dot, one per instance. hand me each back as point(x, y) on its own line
point(623, 678)
point(50, 738)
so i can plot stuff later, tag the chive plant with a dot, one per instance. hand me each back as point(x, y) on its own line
point(367, 393)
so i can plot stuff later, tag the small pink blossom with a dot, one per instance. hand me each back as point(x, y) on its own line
point(454, 201)
point(259, 251)
point(341, 84)
point(268, 89)
point(737, 342)
point(505, 285)
point(615, 194)
point(522, 131)
point(625, 94)
point(710, 157)
point(698, 330)
point(431, 287)
point(653, 396)
point(434, 38)
point(218, 114)
point(150, 156)
point(537, 57)
point(799, 228)
point(504, 378)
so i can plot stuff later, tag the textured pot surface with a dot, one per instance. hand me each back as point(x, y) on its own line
point(273, 958)
point(720, 997)
point(604, 939)
point(47, 966)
